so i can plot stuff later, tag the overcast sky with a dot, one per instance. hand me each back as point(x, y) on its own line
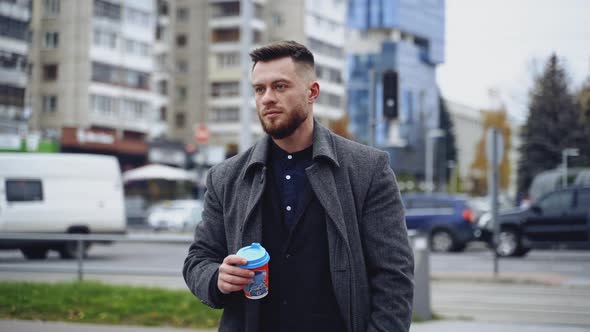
point(499, 44)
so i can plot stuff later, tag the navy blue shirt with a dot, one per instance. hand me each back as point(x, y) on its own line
point(288, 170)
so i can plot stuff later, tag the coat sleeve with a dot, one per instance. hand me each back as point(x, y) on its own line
point(388, 255)
point(208, 249)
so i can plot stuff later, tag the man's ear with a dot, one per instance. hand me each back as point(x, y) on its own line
point(313, 92)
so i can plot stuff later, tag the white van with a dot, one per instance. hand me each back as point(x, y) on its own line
point(59, 193)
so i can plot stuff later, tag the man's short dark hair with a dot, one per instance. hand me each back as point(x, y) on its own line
point(282, 49)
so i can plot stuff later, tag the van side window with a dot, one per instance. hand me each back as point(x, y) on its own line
point(24, 190)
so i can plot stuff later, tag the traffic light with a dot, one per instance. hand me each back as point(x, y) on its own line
point(390, 94)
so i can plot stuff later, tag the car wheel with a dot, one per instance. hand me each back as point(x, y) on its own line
point(509, 244)
point(34, 253)
point(442, 241)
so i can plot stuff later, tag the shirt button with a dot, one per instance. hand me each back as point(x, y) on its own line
point(288, 177)
point(287, 256)
point(289, 157)
point(288, 208)
point(285, 302)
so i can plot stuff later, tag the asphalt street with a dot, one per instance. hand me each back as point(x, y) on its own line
point(545, 287)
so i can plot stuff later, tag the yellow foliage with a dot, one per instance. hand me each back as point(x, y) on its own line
point(340, 127)
point(499, 121)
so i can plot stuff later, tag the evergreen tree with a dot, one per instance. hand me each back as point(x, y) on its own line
point(552, 124)
point(583, 133)
point(447, 149)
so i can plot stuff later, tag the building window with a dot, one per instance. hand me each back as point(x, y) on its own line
point(50, 72)
point(162, 87)
point(163, 113)
point(278, 20)
point(325, 48)
point(121, 76)
point(181, 93)
point(103, 105)
point(181, 66)
point(24, 190)
point(330, 99)
point(13, 28)
point(105, 39)
point(107, 10)
point(49, 104)
point(225, 114)
point(180, 120)
point(228, 60)
point(225, 35)
point(137, 17)
point(225, 89)
point(133, 108)
point(137, 47)
point(51, 40)
point(51, 8)
point(182, 14)
point(163, 7)
point(181, 40)
point(225, 9)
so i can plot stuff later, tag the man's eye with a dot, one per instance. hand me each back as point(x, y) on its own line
point(280, 86)
point(258, 90)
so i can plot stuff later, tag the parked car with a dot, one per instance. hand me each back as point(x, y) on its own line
point(559, 218)
point(447, 219)
point(176, 215)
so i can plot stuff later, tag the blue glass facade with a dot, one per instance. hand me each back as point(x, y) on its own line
point(406, 36)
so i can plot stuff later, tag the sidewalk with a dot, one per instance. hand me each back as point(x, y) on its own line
point(435, 326)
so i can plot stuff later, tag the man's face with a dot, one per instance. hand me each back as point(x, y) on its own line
point(281, 95)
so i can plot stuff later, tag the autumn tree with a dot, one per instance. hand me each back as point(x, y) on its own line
point(497, 119)
point(340, 127)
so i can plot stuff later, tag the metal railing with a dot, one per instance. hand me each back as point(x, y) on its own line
point(418, 241)
point(80, 240)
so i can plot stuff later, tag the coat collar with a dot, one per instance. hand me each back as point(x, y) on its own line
point(323, 148)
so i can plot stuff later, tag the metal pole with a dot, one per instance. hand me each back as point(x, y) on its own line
point(429, 163)
point(564, 170)
point(372, 107)
point(80, 244)
point(494, 194)
point(246, 10)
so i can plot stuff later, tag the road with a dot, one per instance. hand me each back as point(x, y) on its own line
point(456, 290)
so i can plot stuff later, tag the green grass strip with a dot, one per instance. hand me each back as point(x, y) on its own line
point(94, 302)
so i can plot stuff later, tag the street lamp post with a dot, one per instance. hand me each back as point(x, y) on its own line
point(429, 158)
point(571, 152)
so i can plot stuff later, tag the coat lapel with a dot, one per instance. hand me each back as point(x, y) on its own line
point(322, 182)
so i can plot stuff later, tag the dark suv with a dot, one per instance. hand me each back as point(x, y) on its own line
point(447, 219)
point(558, 219)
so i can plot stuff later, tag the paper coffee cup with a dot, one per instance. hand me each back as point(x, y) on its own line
point(258, 263)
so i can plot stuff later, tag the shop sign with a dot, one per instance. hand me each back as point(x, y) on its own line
point(87, 136)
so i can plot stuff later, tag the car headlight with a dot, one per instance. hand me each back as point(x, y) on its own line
point(485, 220)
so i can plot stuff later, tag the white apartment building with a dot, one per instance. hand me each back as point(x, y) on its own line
point(213, 93)
point(321, 26)
point(14, 22)
point(92, 72)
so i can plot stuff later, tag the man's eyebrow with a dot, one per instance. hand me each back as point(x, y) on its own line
point(281, 80)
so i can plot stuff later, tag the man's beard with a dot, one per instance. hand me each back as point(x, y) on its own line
point(282, 129)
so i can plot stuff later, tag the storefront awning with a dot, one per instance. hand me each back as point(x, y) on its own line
point(157, 172)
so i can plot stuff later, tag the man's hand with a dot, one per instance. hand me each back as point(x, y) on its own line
point(232, 278)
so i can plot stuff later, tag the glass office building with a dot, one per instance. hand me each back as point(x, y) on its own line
point(406, 37)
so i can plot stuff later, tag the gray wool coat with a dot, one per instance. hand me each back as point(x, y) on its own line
point(371, 261)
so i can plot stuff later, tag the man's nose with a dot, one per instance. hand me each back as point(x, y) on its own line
point(268, 97)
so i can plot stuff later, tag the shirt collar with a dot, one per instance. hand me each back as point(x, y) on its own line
point(323, 148)
point(277, 154)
